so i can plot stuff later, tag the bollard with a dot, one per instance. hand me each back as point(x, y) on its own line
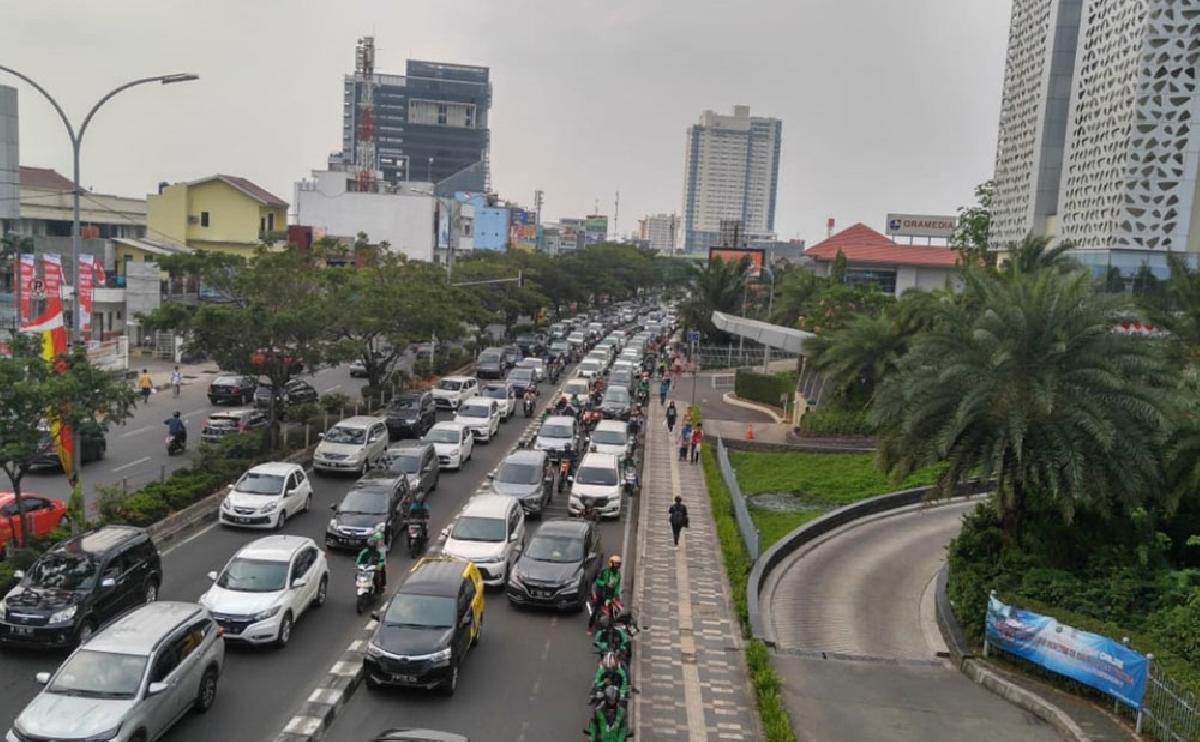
point(306, 427)
point(162, 474)
point(124, 486)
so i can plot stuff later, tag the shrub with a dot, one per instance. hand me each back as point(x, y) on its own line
point(334, 403)
point(777, 725)
point(305, 413)
point(6, 576)
point(733, 550)
point(777, 390)
point(836, 421)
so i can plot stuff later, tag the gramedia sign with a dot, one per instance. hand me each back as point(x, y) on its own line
point(921, 225)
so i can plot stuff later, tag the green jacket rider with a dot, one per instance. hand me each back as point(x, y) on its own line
point(609, 578)
point(602, 729)
point(618, 676)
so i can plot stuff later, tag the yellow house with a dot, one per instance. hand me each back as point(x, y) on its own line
point(221, 213)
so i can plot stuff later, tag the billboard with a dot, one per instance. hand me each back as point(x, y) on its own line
point(595, 229)
point(568, 236)
point(757, 256)
point(522, 230)
point(921, 225)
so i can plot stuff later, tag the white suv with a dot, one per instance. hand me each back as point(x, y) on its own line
point(452, 391)
point(611, 436)
point(482, 416)
point(266, 587)
point(489, 531)
point(454, 443)
point(266, 496)
point(597, 482)
point(353, 445)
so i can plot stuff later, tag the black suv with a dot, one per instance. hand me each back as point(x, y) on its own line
point(92, 446)
point(232, 389)
point(79, 585)
point(411, 414)
point(491, 364)
point(295, 391)
point(532, 345)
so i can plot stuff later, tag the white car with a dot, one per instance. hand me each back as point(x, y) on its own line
point(576, 388)
point(590, 369)
point(454, 443)
point(601, 353)
point(537, 365)
point(452, 391)
point(265, 588)
point(353, 445)
point(482, 416)
point(612, 437)
point(597, 482)
point(266, 496)
point(489, 531)
point(504, 396)
point(557, 433)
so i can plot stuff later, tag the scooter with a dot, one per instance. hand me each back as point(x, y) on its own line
point(175, 444)
point(418, 537)
point(364, 587)
point(528, 405)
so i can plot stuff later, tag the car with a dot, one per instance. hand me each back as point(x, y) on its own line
point(528, 476)
point(504, 396)
point(489, 531)
point(358, 367)
point(482, 416)
point(589, 368)
point(560, 349)
point(597, 482)
point(537, 366)
point(558, 330)
point(266, 496)
point(232, 389)
point(558, 436)
point(79, 585)
point(452, 391)
point(601, 353)
point(454, 443)
point(378, 501)
point(410, 414)
point(42, 514)
point(418, 461)
point(407, 734)
point(623, 378)
point(131, 681)
point(577, 387)
point(611, 436)
point(92, 446)
point(491, 364)
point(264, 589)
point(558, 566)
point(531, 344)
point(616, 403)
point(353, 445)
point(520, 379)
point(427, 627)
point(514, 354)
point(576, 341)
point(220, 424)
point(293, 391)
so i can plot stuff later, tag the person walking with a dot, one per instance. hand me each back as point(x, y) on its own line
point(685, 441)
point(176, 381)
point(664, 386)
point(697, 437)
point(672, 413)
point(145, 385)
point(677, 514)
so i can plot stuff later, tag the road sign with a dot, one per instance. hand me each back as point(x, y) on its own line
point(693, 336)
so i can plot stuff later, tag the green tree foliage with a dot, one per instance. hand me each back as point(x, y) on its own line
point(840, 265)
point(970, 237)
point(717, 286)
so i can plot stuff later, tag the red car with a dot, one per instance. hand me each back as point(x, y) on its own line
point(44, 513)
point(286, 356)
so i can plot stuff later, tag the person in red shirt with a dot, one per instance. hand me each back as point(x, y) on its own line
point(697, 437)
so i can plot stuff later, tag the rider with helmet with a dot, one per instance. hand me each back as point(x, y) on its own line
point(608, 723)
point(176, 427)
point(375, 554)
point(606, 587)
point(612, 672)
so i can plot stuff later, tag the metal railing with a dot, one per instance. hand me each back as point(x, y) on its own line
point(1170, 712)
point(740, 512)
point(747, 355)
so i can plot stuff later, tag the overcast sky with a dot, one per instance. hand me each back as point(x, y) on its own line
point(886, 105)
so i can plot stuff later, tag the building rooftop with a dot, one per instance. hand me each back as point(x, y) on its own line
point(45, 179)
point(254, 191)
point(861, 244)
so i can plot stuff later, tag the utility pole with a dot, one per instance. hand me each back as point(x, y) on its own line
point(616, 215)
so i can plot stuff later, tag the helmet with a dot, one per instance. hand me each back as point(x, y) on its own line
point(604, 622)
point(376, 536)
point(614, 560)
point(610, 661)
point(611, 695)
point(175, 413)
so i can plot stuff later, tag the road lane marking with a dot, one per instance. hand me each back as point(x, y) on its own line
point(332, 388)
point(138, 431)
point(142, 460)
point(189, 539)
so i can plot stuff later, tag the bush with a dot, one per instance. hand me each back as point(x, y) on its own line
point(733, 550)
point(777, 390)
point(836, 421)
point(777, 725)
point(305, 413)
point(334, 403)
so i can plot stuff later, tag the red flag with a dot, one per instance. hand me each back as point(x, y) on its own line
point(52, 270)
point(85, 292)
point(26, 279)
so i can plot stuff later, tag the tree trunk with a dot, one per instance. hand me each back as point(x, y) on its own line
point(22, 516)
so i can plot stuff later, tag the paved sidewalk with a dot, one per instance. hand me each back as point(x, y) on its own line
point(690, 665)
point(160, 371)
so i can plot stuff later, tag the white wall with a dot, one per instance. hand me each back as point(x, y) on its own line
point(405, 222)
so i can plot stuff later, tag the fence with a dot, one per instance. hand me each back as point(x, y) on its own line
point(1170, 713)
point(745, 524)
point(297, 435)
point(746, 355)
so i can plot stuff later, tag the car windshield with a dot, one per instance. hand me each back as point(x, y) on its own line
point(403, 463)
point(609, 437)
point(257, 483)
point(443, 435)
point(100, 675)
point(406, 404)
point(576, 387)
point(62, 571)
point(514, 473)
point(493, 393)
point(492, 357)
point(452, 386)
point(254, 576)
point(616, 394)
point(474, 528)
point(226, 381)
point(555, 431)
point(521, 374)
point(558, 549)
point(420, 611)
point(475, 410)
point(590, 365)
point(365, 502)
point(339, 434)
point(598, 475)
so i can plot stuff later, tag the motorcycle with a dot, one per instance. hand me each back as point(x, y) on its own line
point(632, 486)
point(564, 473)
point(175, 444)
point(418, 537)
point(364, 587)
point(528, 404)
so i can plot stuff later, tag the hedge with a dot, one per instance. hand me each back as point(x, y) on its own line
point(766, 388)
point(836, 421)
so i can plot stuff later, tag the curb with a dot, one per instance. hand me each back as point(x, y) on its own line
point(734, 401)
point(1021, 698)
point(331, 694)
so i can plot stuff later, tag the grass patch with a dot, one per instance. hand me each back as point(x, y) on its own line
point(773, 525)
point(777, 725)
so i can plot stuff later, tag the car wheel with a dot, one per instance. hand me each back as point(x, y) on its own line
point(308, 502)
point(451, 685)
point(478, 632)
point(151, 591)
point(212, 401)
point(285, 631)
point(208, 691)
point(282, 519)
point(362, 470)
point(322, 591)
point(86, 630)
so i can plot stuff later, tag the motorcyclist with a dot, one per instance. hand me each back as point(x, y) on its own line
point(418, 509)
point(644, 388)
point(375, 554)
point(176, 427)
point(612, 672)
point(529, 400)
point(608, 723)
point(610, 638)
point(606, 587)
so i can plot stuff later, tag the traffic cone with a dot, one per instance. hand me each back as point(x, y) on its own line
point(749, 432)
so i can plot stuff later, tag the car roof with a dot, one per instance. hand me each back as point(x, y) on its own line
point(231, 413)
point(274, 548)
point(496, 506)
point(102, 540)
point(361, 421)
point(449, 425)
point(457, 378)
point(613, 425)
point(496, 386)
point(563, 527)
point(409, 446)
point(606, 460)
point(435, 576)
point(140, 630)
point(526, 456)
point(559, 420)
point(274, 467)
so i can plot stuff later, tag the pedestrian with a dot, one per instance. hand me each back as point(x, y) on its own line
point(697, 437)
point(145, 385)
point(677, 514)
point(664, 386)
point(671, 415)
point(678, 366)
point(176, 380)
point(685, 441)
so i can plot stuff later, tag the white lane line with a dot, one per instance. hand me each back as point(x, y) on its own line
point(142, 460)
point(332, 388)
point(189, 539)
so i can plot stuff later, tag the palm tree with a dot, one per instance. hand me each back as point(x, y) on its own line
point(718, 286)
point(1032, 388)
point(855, 357)
point(1179, 313)
point(1034, 254)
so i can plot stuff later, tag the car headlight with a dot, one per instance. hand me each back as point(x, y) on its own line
point(516, 578)
point(3, 610)
point(440, 658)
point(63, 616)
point(270, 507)
point(105, 736)
point(226, 504)
point(373, 650)
point(333, 524)
point(264, 615)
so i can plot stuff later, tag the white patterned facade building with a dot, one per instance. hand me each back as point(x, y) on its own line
point(1098, 142)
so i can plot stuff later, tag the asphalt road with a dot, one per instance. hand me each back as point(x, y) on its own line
point(530, 672)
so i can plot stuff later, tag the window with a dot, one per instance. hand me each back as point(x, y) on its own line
point(203, 218)
point(270, 222)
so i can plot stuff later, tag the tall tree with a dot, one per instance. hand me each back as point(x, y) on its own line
point(970, 237)
point(717, 286)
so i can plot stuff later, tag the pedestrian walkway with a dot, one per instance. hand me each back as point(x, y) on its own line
point(160, 371)
point(690, 664)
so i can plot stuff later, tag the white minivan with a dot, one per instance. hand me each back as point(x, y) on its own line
point(489, 531)
point(598, 483)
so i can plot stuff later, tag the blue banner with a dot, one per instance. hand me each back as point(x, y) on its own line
point(1104, 664)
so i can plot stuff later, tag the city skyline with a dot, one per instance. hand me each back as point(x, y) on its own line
point(861, 143)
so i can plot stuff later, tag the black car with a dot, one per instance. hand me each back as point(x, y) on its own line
point(411, 414)
point(416, 460)
point(531, 345)
point(520, 379)
point(512, 355)
point(528, 476)
point(294, 391)
point(232, 389)
point(616, 403)
point(417, 735)
point(561, 560)
point(491, 364)
point(378, 499)
point(92, 446)
point(79, 585)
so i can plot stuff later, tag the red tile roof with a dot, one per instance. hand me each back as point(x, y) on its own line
point(861, 244)
point(45, 179)
point(254, 191)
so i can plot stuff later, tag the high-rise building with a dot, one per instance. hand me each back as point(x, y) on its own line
point(10, 159)
point(731, 171)
point(1097, 144)
point(426, 125)
point(659, 231)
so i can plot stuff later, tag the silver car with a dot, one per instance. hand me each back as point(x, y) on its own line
point(132, 680)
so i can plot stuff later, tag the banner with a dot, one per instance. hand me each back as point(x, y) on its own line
point(85, 292)
point(1106, 665)
point(26, 279)
point(54, 343)
point(101, 278)
point(52, 271)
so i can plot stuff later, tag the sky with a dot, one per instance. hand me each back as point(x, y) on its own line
point(887, 106)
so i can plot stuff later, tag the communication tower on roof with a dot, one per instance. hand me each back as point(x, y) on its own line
point(365, 161)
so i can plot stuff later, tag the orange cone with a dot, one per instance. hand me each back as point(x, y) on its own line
point(749, 432)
